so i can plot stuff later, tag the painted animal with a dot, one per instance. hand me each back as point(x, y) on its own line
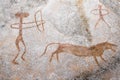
point(82, 51)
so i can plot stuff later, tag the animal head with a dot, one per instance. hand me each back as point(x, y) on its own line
point(111, 46)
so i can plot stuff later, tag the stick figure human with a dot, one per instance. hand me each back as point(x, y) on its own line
point(101, 15)
point(21, 16)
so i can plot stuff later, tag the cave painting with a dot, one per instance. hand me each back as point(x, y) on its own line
point(41, 19)
point(101, 14)
point(21, 16)
point(96, 50)
point(82, 51)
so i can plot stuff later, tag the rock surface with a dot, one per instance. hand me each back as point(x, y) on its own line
point(66, 21)
point(113, 5)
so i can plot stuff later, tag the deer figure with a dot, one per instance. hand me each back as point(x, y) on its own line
point(82, 51)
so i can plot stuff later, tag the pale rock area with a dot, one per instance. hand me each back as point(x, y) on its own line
point(113, 5)
point(66, 21)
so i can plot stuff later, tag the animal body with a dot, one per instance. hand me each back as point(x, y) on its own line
point(82, 51)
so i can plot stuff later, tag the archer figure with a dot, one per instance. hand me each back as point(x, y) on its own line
point(19, 38)
point(101, 15)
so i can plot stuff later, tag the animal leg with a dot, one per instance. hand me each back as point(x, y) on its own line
point(96, 60)
point(18, 48)
point(52, 56)
point(57, 57)
point(102, 58)
point(24, 50)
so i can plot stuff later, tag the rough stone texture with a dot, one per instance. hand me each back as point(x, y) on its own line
point(114, 5)
point(66, 21)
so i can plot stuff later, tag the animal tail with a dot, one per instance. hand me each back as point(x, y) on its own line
point(47, 47)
